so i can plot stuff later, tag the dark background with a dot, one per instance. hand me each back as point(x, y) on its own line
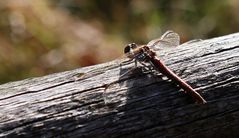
point(42, 37)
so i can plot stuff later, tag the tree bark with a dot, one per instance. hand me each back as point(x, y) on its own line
point(81, 103)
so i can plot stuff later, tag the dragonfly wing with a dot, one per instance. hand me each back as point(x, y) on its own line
point(168, 39)
point(171, 37)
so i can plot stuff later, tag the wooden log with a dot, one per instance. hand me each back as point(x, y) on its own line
point(77, 104)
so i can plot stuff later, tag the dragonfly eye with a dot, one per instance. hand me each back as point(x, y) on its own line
point(133, 45)
point(127, 49)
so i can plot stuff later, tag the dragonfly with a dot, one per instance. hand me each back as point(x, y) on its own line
point(146, 56)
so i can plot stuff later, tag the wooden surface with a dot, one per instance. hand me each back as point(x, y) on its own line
point(76, 104)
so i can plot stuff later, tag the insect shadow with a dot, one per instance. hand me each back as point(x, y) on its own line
point(140, 86)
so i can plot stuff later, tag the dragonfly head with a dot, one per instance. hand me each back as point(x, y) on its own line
point(130, 47)
point(129, 50)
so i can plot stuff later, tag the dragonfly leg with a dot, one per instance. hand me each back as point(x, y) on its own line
point(147, 68)
point(135, 63)
point(126, 62)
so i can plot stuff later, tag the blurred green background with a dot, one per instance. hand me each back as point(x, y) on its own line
point(39, 37)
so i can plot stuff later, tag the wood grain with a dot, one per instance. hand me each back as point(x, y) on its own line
point(77, 104)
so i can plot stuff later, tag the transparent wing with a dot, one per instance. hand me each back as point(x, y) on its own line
point(110, 94)
point(120, 60)
point(168, 39)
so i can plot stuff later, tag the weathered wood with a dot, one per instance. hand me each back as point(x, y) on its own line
point(76, 104)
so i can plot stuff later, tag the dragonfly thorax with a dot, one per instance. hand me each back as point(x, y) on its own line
point(141, 57)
